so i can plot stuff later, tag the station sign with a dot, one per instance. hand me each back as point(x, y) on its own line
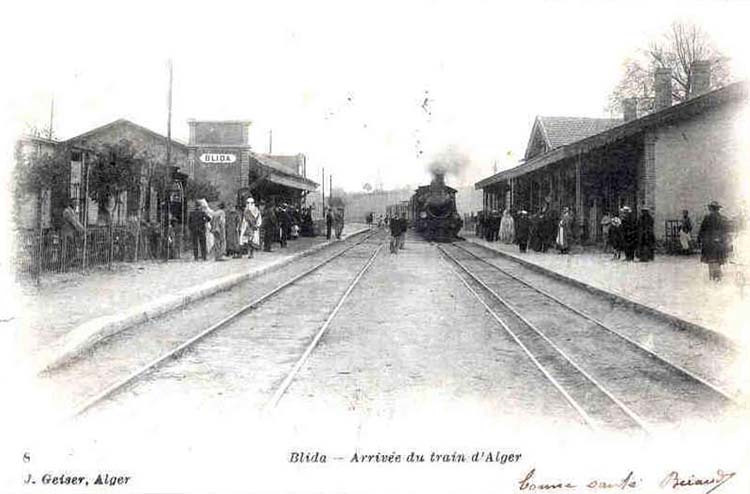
point(214, 158)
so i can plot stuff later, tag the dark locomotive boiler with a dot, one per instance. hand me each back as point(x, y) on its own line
point(434, 211)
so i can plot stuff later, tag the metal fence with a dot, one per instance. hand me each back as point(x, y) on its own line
point(102, 246)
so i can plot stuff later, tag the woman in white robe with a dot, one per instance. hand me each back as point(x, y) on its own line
point(250, 227)
point(209, 234)
point(507, 228)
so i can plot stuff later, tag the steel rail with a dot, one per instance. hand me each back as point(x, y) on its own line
point(725, 395)
point(175, 352)
point(641, 423)
point(571, 401)
point(284, 386)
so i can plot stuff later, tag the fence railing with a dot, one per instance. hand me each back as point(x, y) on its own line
point(56, 252)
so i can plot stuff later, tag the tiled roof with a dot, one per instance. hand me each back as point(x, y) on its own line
point(561, 131)
point(280, 174)
point(126, 123)
point(735, 93)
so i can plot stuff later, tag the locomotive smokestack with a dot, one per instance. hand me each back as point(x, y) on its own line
point(438, 178)
point(449, 162)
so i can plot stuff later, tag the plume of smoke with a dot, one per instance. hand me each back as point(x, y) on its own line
point(451, 162)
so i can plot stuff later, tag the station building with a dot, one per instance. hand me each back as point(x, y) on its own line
point(677, 157)
point(143, 140)
point(219, 152)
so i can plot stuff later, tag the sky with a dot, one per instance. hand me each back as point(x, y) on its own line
point(371, 91)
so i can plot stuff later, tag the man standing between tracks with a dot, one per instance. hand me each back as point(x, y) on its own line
point(404, 226)
point(396, 227)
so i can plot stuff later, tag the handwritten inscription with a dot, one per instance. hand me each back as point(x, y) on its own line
point(531, 481)
point(676, 481)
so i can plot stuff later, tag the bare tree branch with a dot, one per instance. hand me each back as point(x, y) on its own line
point(682, 45)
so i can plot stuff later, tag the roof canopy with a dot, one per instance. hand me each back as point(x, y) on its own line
point(279, 174)
point(733, 92)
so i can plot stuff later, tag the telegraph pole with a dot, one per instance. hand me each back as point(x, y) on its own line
point(50, 131)
point(270, 141)
point(169, 163)
point(86, 210)
point(323, 192)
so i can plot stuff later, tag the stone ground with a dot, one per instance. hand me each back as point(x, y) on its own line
point(676, 285)
point(38, 316)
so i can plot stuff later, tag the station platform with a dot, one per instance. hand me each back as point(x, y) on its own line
point(676, 286)
point(40, 317)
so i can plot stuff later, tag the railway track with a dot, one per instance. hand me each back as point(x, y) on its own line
point(367, 245)
point(611, 380)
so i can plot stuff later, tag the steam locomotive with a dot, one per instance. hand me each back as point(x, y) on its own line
point(433, 211)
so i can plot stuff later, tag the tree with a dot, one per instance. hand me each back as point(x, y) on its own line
point(367, 187)
point(40, 174)
point(201, 189)
point(115, 168)
point(339, 198)
point(683, 44)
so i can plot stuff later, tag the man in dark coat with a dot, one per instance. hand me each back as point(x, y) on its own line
point(197, 220)
point(269, 226)
point(615, 236)
point(549, 225)
point(629, 230)
point(404, 226)
point(396, 227)
point(479, 227)
point(523, 227)
point(285, 224)
point(493, 226)
point(714, 239)
point(329, 223)
point(646, 239)
point(535, 232)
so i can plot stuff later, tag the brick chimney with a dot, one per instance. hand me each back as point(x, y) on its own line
point(700, 77)
point(662, 88)
point(629, 109)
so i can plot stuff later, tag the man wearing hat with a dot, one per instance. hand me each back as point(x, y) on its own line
point(629, 231)
point(646, 239)
point(714, 239)
point(197, 220)
point(523, 227)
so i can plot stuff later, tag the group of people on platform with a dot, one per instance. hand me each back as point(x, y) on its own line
point(624, 234)
point(243, 230)
point(539, 232)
